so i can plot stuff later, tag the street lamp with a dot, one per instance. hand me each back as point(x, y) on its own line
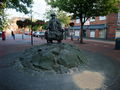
point(31, 26)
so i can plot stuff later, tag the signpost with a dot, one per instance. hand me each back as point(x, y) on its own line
point(31, 27)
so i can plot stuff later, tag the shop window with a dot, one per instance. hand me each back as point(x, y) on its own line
point(92, 19)
point(102, 18)
point(92, 33)
point(117, 34)
point(118, 21)
point(119, 14)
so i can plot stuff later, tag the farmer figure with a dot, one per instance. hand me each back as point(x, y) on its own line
point(55, 31)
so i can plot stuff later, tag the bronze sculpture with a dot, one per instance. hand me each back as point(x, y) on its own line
point(54, 30)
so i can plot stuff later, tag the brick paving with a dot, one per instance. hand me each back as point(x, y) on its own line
point(102, 47)
point(11, 46)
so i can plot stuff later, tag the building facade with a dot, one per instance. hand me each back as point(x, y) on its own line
point(14, 27)
point(102, 27)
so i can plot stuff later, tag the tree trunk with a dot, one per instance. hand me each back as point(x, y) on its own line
point(81, 34)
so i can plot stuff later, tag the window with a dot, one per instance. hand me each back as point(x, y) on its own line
point(119, 14)
point(118, 18)
point(117, 34)
point(92, 33)
point(92, 19)
point(102, 18)
point(77, 20)
point(102, 33)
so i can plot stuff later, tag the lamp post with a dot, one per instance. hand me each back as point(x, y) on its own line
point(31, 27)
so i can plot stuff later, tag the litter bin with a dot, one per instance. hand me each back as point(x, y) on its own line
point(117, 44)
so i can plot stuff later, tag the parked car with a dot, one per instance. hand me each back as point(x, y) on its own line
point(42, 34)
point(27, 33)
point(39, 34)
point(34, 33)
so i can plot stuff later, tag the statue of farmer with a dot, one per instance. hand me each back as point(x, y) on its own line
point(55, 31)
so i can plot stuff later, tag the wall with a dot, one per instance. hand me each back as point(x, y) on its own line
point(97, 21)
point(111, 25)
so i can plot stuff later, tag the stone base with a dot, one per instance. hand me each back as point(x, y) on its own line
point(59, 58)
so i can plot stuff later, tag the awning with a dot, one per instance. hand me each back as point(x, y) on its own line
point(97, 26)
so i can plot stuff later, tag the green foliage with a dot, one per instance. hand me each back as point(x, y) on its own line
point(20, 23)
point(86, 7)
point(40, 22)
point(2, 5)
point(19, 5)
point(48, 13)
point(35, 25)
point(45, 25)
point(27, 22)
point(4, 22)
point(62, 16)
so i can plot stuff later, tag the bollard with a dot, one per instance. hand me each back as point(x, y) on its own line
point(117, 44)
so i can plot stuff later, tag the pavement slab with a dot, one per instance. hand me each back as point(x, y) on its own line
point(102, 67)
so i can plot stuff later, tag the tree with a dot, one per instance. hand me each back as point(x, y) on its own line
point(62, 16)
point(40, 23)
point(4, 22)
point(45, 25)
point(20, 24)
point(19, 5)
point(48, 13)
point(36, 25)
point(84, 9)
point(27, 23)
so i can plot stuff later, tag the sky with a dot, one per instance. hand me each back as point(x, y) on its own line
point(39, 8)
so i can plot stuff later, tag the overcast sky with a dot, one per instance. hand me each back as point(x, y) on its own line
point(39, 8)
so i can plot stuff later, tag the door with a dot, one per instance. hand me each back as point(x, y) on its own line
point(102, 34)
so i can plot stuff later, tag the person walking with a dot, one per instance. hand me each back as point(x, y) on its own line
point(13, 35)
point(3, 36)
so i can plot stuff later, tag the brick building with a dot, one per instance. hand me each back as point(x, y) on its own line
point(103, 27)
point(13, 26)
